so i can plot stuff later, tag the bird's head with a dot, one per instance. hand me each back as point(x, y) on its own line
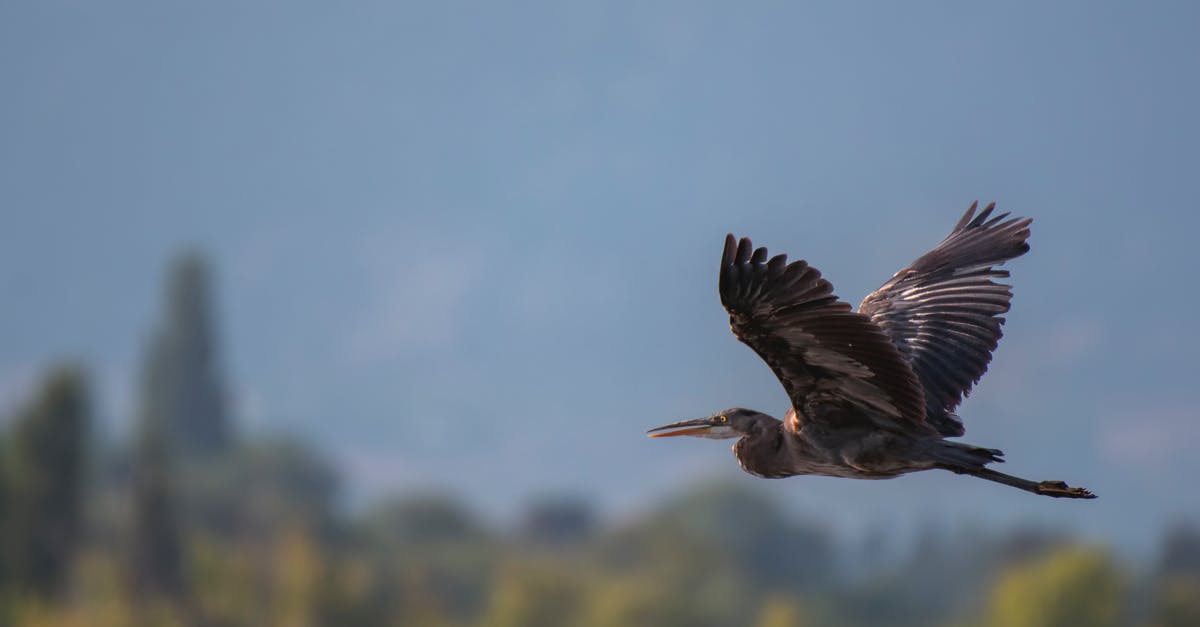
point(731, 423)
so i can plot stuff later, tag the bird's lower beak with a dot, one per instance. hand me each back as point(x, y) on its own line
point(698, 426)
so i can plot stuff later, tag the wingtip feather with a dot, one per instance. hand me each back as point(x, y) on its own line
point(966, 217)
point(744, 248)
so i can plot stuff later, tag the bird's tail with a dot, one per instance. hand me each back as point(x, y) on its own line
point(965, 457)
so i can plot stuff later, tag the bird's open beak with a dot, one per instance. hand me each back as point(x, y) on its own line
point(697, 426)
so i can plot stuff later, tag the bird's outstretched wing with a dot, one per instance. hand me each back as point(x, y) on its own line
point(834, 363)
point(943, 311)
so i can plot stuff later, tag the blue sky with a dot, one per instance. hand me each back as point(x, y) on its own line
point(473, 246)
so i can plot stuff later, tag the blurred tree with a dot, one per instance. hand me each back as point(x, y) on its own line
point(690, 579)
point(773, 551)
point(261, 488)
point(531, 596)
point(226, 581)
point(423, 602)
point(557, 521)
point(43, 486)
point(1072, 586)
point(424, 520)
point(181, 426)
point(351, 594)
point(299, 571)
point(780, 611)
point(1176, 597)
point(947, 574)
point(1024, 543)
point(189, 398)
point(618, 601)
point(100, 596)
point(156, 552)
point(435, 551)
point(286, 482)
point(1180, 550)
point(5, 519)
point(1176, 602)
point(706, 559)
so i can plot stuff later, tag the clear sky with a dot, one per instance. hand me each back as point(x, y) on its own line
point(474, 246)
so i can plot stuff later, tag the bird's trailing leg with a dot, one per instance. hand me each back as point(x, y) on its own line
point(1056, 489)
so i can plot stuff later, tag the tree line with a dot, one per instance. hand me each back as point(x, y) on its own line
point(191, 523)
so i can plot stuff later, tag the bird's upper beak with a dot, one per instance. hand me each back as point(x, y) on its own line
point(702, 427)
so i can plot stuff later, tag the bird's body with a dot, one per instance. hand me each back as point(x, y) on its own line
point(852, 452)
point(872, 392)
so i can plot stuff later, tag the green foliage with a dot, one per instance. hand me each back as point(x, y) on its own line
point(944, 577)
point(1177, 602)
point(423, 520)
point(781, 611)
point(706, 559)
point(534, 596)
point(773, 551)
point(435, 552)
point(1072, 586)
point(278, 582)
point(613, 601)
point(425, 560)
point(259, 489)
point(721, 529)
point(43, 486)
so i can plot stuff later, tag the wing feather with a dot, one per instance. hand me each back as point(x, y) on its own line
point(943, 312)
point(831, 360)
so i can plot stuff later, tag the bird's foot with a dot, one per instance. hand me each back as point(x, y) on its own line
point(1060, 489)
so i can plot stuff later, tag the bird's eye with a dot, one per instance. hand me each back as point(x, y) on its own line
point(724, 419)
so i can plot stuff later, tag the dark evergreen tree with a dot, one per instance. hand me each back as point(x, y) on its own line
point(43, 485)
point(189, 395)
point(181, 428)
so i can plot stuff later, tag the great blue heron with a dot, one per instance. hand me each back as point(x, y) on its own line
point(872, 392)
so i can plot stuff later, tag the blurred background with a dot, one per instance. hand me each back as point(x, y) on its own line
point(356, 313)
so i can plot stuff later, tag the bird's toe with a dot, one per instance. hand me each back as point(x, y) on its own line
point(1060, 489)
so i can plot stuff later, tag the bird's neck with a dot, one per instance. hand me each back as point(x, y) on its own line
point(762, 452)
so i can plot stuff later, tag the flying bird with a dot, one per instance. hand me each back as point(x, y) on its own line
point(873, 392)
